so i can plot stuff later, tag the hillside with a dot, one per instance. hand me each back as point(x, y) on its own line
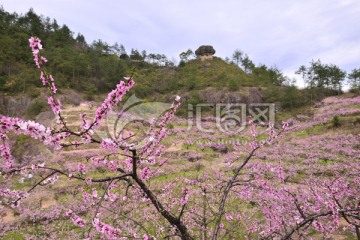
point(93, 69)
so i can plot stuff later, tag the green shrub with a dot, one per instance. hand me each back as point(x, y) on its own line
point(142, 91)
point(182, 64)
point(355, 91)
point(37, 107)
point(357, 121)
point(33, 92)
point(192, 83)
point(233, 85)
point(336, 121)
point(90, 89)
point(89, 97)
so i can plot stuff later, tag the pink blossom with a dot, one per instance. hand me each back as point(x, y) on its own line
point(112, 99)
point(106, 229)
point(184, 199)
point(78, 221)
point(81, 168)
point(228, 217)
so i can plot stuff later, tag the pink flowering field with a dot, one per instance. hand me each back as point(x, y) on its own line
point(298, 179)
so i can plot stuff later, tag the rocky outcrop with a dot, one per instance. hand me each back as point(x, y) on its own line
point(14, 105)
point(249, 95)
point(205, 52)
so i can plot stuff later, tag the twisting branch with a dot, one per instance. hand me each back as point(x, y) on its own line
point(226, 192)
point(173, 220)
point(35, 185)
point(61, 172)
point(99, 204)
point(231, 183)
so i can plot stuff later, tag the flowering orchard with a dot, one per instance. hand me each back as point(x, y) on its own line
point(275, 187)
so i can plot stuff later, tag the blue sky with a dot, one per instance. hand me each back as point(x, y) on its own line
point(284, 33)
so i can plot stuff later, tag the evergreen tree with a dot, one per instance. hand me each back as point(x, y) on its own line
point(354, 78)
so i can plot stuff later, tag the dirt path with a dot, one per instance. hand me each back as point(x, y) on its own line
point(175, 147)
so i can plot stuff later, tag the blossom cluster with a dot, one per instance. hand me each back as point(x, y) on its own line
point(77, 220)
point(13, 195)
point(29, 128)
point(48, 80)
point(81, 168)
point(35, 44)
point(51, 180)
point(33, 129)
point(106, 229)
point(185, 197)
point(157, 135)
point(113, 98)
point(55, 104)
point(90, 199)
